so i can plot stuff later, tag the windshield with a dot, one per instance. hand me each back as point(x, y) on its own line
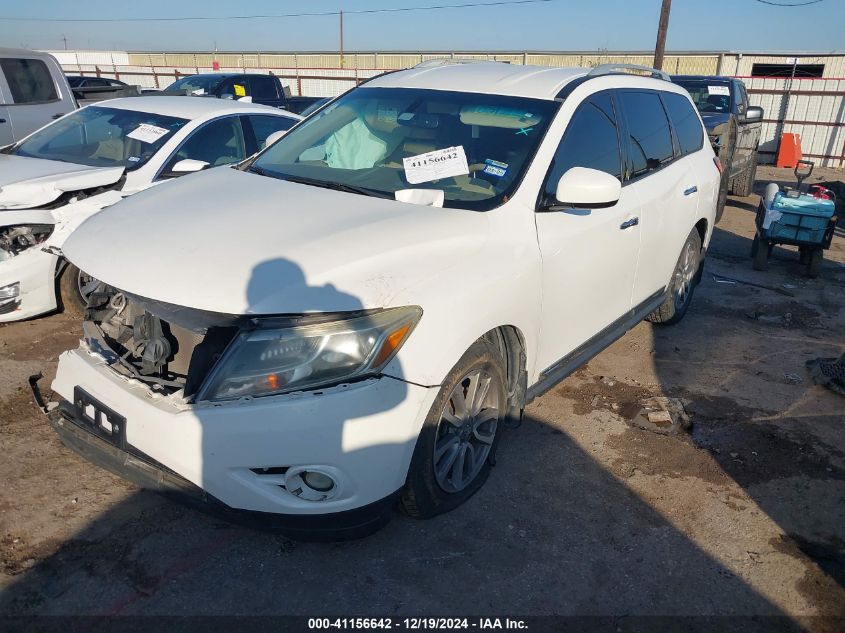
point(710, 97)
point(465, 150)
point(102, 137)
point(196, 84)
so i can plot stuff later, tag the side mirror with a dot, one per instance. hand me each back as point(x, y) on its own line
point(275, 136)
point(754, 113)
point(246, 99)
point(185, 166)
point(585, 188)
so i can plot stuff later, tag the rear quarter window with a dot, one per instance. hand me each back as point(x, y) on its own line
point(685, 120)
point(29, 80)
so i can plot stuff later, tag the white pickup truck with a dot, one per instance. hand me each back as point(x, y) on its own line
point(33, 92)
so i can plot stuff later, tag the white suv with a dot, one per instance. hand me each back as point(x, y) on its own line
point(348, 319)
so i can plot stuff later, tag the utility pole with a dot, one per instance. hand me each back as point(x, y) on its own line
point(342, 61)
point(660, 47)
point(64, 38)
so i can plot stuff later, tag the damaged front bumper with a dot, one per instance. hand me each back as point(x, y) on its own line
point(245, 458)
point(34, 272)
point(145, 472)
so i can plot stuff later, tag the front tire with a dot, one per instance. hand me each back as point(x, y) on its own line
point(74, 288)
point(743, 185)
point(459, 437)
point(681, 288)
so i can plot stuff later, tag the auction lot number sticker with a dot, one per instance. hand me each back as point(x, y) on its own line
point(417, 624)
point(441, 163)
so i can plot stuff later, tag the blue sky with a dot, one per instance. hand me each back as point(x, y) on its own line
point(744, 25)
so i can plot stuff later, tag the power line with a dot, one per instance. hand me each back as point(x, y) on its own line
point(285, 15)
point(789, 4)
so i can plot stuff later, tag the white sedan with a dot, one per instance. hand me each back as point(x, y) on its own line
point(63, 173)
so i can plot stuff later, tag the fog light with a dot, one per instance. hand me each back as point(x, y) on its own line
point(318, 481)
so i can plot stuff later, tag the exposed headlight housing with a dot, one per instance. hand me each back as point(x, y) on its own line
point(266, 362)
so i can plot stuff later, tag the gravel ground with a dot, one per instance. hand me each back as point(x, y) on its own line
point(584, 514)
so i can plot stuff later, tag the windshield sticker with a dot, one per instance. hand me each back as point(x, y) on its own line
point(134, 159)
point(719, 90)
point(495, 168)
point(147, 133)
point(240, 91)
point(441, 163)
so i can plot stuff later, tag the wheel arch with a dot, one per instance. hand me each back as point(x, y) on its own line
point(510, 341)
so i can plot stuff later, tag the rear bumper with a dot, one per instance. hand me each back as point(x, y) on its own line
point(144, 471)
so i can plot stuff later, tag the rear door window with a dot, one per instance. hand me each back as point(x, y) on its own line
point(649, 139)
point(591, 140)
point(685, 120)
point(29, 80)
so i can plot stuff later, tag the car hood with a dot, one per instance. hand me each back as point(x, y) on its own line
point(31, 182)
point(238, 243)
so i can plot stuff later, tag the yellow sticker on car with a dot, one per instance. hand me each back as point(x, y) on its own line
point(240, 91)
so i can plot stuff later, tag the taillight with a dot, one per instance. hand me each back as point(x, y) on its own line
point(718, 164)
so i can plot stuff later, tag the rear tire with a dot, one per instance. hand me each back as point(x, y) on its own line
point(458, 441)
point(682, 286)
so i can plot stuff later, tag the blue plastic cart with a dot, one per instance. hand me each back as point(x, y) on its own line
point(791, 216)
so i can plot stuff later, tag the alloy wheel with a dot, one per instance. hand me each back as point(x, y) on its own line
point(466, 431)
point(685, 275)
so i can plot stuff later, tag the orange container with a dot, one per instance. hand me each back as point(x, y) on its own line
point(790, 150)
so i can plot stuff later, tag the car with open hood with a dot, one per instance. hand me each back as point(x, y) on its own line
point(56, 177)
point(350, 318)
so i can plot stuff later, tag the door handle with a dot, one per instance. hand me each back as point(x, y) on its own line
point(690, 190)
point(58, 116)
point(627, 224)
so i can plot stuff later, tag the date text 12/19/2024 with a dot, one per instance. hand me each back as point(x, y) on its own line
point(416, 624)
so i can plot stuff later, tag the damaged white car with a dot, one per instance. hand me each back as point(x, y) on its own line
point(63, 173)
point(348, 320)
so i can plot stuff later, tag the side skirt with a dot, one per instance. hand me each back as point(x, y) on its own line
point(578, 357)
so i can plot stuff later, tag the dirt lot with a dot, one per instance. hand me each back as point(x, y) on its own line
point(584, 514)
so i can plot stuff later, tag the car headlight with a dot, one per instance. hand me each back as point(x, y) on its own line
point(272, 361)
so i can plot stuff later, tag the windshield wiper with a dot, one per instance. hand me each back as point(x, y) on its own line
point(338, 186)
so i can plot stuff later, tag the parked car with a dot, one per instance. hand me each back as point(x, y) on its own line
point(348, 319)
point(734, 128)
point(88, 90)
point(33, 92)
point(58, 176)
point(257, 88)
point(81, 81)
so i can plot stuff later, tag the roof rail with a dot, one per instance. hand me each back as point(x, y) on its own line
point(453, 61)
point(609, 69)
